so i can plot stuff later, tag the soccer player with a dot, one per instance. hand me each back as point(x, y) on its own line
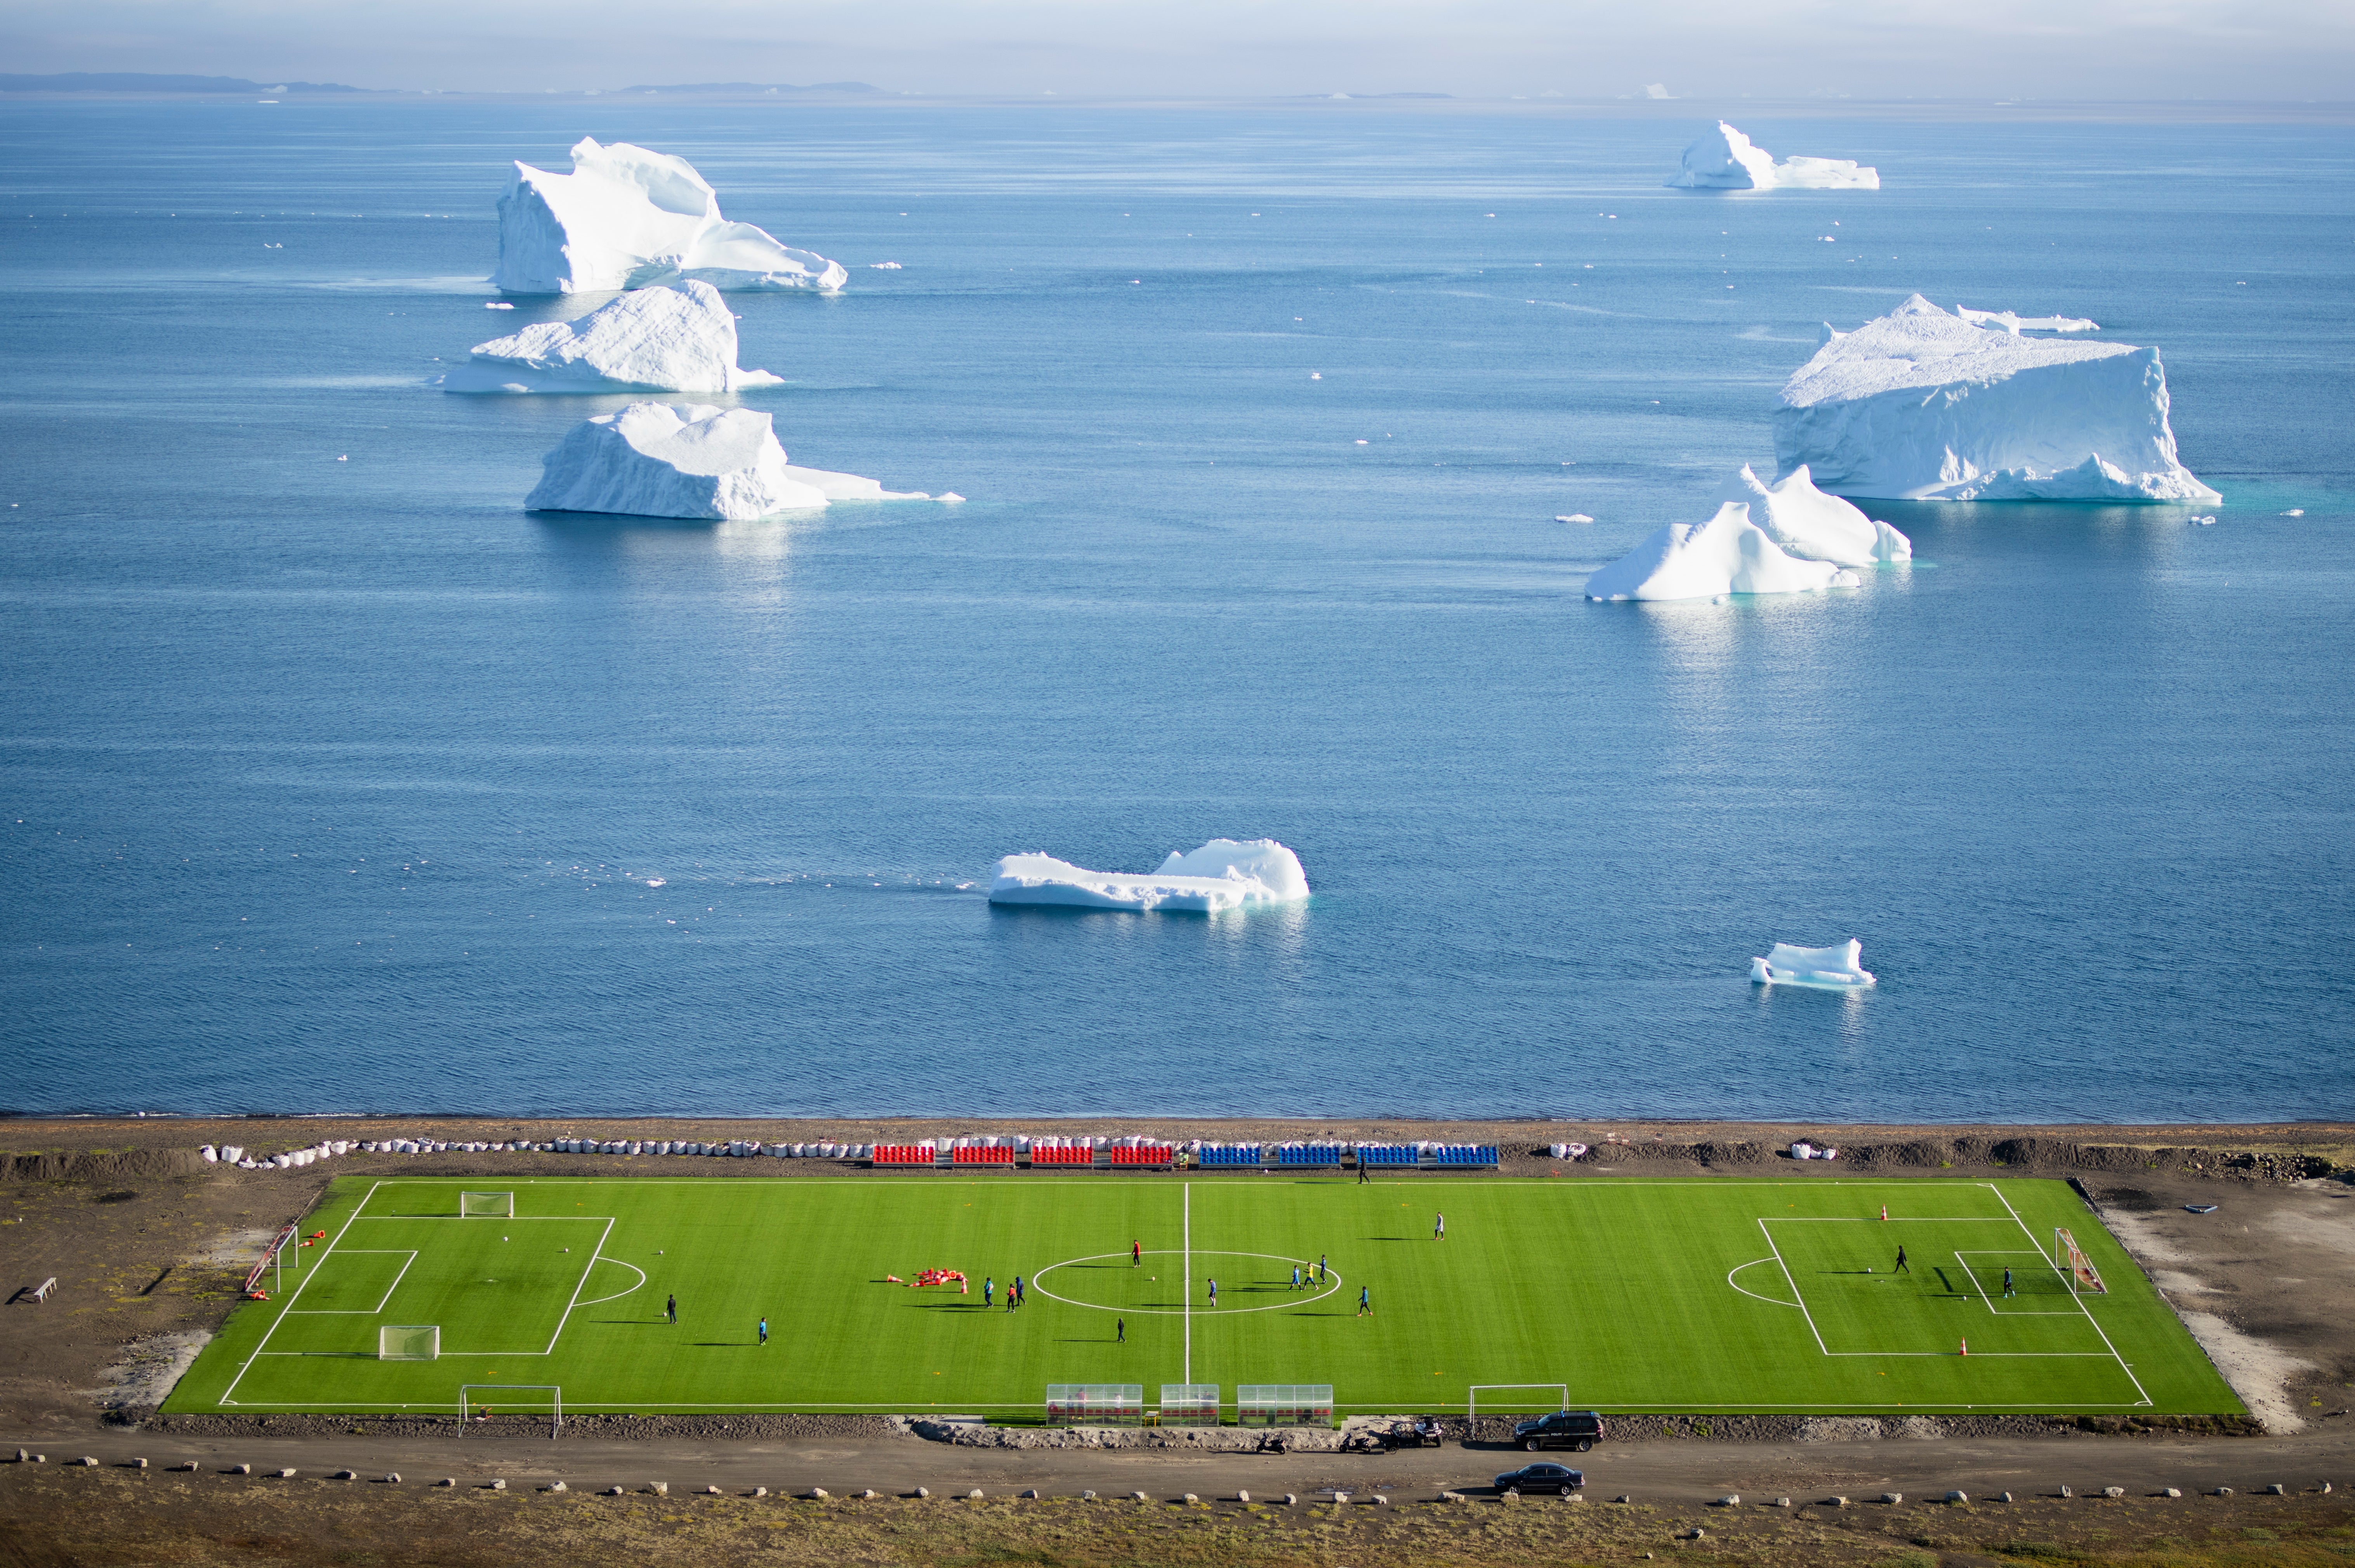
point(2007, 1284)
point(1120, 1331)
point(1136, 1253)
point(1365, 1301)
point(1214, 1293)
point(671, 1309)
point(764, 1330)
point(1363, 1178)
point(1902, 1265)
point(988, 1290)
point(1295, 1276)
point(1439, 1227)
point(1320, 1268)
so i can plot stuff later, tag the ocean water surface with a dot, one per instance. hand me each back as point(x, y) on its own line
point(330, 780)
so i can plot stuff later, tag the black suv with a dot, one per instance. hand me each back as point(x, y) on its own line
point(1578, 1429)
point(1542, 1478)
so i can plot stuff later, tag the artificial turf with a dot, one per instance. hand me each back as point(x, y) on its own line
point(1694, 1295)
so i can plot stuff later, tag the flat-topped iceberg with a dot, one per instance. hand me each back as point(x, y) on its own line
point(1726, 160)
point(1827, 969)
point(652, 460)
point(1222, 875)
point(626, 217)
point(1815, 526)
point(1728, 554)
point(1922, 405)
point(655, 340)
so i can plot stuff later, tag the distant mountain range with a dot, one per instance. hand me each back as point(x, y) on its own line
point(144, 81)
point(763, 86)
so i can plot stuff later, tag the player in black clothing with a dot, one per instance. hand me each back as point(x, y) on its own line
point(1901, 1266)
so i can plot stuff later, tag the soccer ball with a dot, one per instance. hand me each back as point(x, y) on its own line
point(1868, 1271)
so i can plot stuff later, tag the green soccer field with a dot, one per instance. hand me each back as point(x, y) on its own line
point(1683, 1295)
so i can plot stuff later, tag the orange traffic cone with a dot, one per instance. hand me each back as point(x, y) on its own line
point(1966, 1347)
point(1884, 1211)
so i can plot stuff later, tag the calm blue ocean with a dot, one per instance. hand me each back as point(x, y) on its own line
point(332, 780)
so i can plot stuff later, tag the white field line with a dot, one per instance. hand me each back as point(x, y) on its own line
point(900, 1408)
point(1752, 1294)
point(299, 1289)
point(1988, 1355)
point(593, 1255)
point(1186, 1294)
point(617, 1294)
point(1797, 1294)
point(376, 1310)
point(2073, 1296)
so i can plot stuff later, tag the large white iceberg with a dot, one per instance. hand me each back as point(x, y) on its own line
point(626, 217)
point(1815, 526)
point(655, 340)
point(652, 460)
point(1728, 554)
point(1921, 404)
point(1726, 160)
point(1828, 969)
point(1222, 875)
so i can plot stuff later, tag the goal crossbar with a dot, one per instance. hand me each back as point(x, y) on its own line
point(469, 1396)
point(487, 1205)
point(1472, 1395)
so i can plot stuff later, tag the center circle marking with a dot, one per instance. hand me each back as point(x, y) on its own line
point(1332, 1278)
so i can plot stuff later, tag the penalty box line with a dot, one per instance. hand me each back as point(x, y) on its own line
point(288, 1308)
point(1799, 1297)
point(2075, 1296)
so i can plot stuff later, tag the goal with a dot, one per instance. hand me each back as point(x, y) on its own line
point(487, 1204)
point(474, 1407)
point(409, 1342)
point(2068, 1257)
point(1516, 1406)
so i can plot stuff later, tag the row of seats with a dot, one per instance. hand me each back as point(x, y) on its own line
point(1150, 1154)
point(1002, 1155)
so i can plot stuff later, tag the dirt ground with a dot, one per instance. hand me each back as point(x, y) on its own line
point(148, 1246)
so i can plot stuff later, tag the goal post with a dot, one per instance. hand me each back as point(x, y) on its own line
point(2071, 1261)
point(1472, 1396)
point(409, 1342)
point(474, 1406)
point(485, 1205)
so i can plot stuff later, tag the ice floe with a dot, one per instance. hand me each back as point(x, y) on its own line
point(626, 217)
point(652, 460)
point(1726, 160)
point(1222, 875)
point(1728, 554)
point(1829, 969)
point(655, 340)
point(2019, 324)
point(1923, 405)
point(1815, 526)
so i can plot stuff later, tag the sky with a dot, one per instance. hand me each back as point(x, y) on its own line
point(2130, 50)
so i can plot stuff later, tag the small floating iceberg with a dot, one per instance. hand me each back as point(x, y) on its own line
point(1726, 160)
point(652, 460)
point(656, 340)
point(1815, 526)
point(1222, 875)
point(626, 217)
point(2016, 324)
point(1728, 554)
point(1825, 968)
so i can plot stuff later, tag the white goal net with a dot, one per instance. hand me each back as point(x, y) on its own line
point(409, 1342)
point(2068, 1257)
point(498, 1204)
